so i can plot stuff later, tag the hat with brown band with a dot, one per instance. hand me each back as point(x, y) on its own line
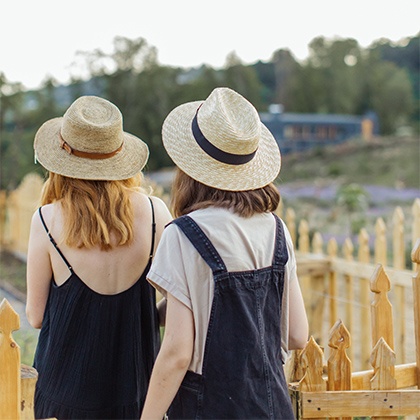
point(88, 142)
point(221, 142)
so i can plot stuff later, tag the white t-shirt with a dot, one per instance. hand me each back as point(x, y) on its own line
point(243, 244)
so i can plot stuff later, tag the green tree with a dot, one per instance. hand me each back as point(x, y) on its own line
point(391, 95)
point(336, 64)
point(285, 70)
point(243, 79)
point(11, 132)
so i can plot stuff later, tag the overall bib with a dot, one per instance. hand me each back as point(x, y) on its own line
point(242, 375)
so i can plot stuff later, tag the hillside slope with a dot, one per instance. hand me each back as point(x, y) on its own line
point(387, 161)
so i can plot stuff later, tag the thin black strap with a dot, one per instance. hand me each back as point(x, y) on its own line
point(53, 241)
point(281, 255)
point(152, 249)
point(201, 243)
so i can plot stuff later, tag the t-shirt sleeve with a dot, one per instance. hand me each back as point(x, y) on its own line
point(168, 271)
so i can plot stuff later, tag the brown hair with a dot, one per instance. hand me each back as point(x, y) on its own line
point(93, 210)
point(189, 195)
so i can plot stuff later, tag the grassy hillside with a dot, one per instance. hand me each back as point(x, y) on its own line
point(387, 161)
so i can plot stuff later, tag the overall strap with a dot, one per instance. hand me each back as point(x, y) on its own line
point(152, 248)
point(201, 243)
point(280, 256)
point(53, 241)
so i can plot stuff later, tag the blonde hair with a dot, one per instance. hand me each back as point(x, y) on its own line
point(95, 212)
point(189, 195)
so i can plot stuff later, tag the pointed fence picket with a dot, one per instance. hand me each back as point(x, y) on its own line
point(335, 281)
point(384, 392)
point(17, 382)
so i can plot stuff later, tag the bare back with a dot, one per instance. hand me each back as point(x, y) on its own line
point(105, 272)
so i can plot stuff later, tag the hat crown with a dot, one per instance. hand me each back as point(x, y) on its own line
point(230, 122)
point(93, 125)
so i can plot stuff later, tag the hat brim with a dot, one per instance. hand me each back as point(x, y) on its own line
point(129, 161)
point(185, 152)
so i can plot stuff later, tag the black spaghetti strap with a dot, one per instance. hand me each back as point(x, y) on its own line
point(53, 241)
point(152, 249)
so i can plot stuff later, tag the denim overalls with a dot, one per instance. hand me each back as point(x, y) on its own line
point(242, 376)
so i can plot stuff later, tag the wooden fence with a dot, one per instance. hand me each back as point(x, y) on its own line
point(379, 392)
point(16, 211)
point(17, 382)
point(335, 283)
point(387, 390)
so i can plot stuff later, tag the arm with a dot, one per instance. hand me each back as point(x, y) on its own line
point(38, 272)
point(298, 321)
point(173, 360)
point(163, 217)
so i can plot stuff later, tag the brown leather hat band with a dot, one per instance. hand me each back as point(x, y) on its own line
point(87, 155)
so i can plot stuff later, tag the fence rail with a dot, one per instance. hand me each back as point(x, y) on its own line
point(332, 390)
point(335, 282)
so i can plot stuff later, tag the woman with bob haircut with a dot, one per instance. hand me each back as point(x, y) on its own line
point(91, 245)
point(227, 268)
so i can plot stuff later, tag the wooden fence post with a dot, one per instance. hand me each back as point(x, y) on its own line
point(291, 224)
point(28, 376)
point(317, 290)
point(380, 255)
point(9, 363)
point(382, 323)
point(303, 246)
point(415, 256)
point(332, 253)
point(311, 366)
point(2, 218)
point(383, 362)
point(398, 257)
point(339, 364)
point(365, 333)
point(415, 234)
point(311, 360)
point(348, 249)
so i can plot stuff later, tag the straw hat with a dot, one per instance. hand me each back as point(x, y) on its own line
point(221, 142)
point(88, 142)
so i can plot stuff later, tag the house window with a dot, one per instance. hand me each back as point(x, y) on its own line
point(332, 132)
point(288, 132)
point(321, 132)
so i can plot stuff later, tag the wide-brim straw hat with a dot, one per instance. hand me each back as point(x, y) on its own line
point(88, 142)
point(222, 143)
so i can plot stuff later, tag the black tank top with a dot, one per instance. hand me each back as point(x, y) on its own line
point(95, 352)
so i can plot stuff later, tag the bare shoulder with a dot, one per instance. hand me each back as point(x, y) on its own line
point(162, 213)
point(47, 212)
point(160, 206)
point(142, 202)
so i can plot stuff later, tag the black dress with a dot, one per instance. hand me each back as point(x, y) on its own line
point(95, 352)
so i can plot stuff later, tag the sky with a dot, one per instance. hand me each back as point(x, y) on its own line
point(41, 38)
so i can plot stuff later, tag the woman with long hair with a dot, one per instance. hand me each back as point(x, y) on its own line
point(227, 268)
point(91, 245)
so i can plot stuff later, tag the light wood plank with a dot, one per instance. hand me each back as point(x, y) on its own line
point(359, 403)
